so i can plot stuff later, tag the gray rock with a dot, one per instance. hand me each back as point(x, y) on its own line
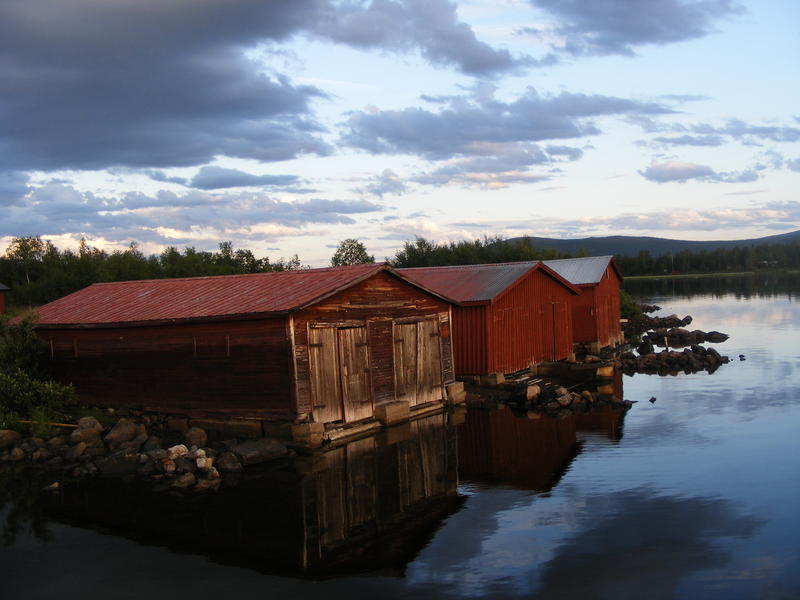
point(257, 451)
point(157, 453)
point(89, 423)
point(227, 461)
point(124, 431)
point(177, 451)
point(138, 441)
point(86, 435)
point(76, 451)
point(56, 442)
point(16, 455)
point(152, 443)
point(196, 437)
point(184, 464)
point(8, 438)
point(40, 454)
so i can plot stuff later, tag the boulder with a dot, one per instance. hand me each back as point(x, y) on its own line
point(89, 423)
point(177, 451)
point(8, 438)
point(228, 461)
point(152, 443)
point(76, 451)
point(257, 451)
point(205, 485)
point(86, 435)
point(184, 464)
point(16, 455)
point(124, 431)
point(196, 437)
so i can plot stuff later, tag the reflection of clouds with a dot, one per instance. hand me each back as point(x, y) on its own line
point(629, 544)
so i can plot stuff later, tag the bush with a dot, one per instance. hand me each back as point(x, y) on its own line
point(23, 395)
point(629, 308)
point(20, 347)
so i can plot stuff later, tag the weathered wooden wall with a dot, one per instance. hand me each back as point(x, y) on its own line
point(529, 324)
point(239, 367)
point(374, 303)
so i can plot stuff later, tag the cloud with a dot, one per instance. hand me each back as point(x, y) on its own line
point(675, 170)
point(160, 176)
point(432, 27)
point(794, 164)
point(462, 125)
point(167, 217)
point(617, 27)
point(388, 182)
point(13, 187)
point(214, 177)
point(153, 84)
point(691, 140)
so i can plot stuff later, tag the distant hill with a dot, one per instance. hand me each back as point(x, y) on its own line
point(625, 245)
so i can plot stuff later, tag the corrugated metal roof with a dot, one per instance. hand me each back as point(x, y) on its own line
point(580, 271)
point(192, 298)
point(4, 288)
point(473, 283)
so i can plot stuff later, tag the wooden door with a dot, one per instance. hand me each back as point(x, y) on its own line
point(354, 373)
point(429, 362)
point(405, 362)
point(323, 358)
point(418, 362)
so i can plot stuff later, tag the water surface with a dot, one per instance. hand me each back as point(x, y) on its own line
point(693, 496)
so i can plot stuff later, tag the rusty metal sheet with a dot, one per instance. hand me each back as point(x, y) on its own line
point(191, 298)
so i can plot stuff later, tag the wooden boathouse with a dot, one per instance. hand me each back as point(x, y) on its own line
point(307, 346)
point(596, 311)
point(507, 315)
point(4, 289)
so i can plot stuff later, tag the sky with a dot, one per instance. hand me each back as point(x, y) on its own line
point(289, 125)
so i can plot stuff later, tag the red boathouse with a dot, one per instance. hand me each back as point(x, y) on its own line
point(3, 291)
point(507, 316)
point(596, 311)
point(315, 345)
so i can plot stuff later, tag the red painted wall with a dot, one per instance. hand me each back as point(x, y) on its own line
point(596, 311)
point(2, 302)
point(529, 324)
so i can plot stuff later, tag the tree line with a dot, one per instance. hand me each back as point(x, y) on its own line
point(38, 272)
point(727, 260)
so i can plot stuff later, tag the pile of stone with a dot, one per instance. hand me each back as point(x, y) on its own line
point(677, 337)
point(693, 359)
point(636, 327)
point(181, 460)
point(556, 399)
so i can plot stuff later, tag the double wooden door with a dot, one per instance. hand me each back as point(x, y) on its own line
point(418, 362)
point(339, 368)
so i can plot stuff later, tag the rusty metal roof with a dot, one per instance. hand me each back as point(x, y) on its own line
point(200, 298)
point(477, 284)
point(582, 271)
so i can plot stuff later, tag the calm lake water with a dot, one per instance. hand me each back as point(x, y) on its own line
point(694, 496)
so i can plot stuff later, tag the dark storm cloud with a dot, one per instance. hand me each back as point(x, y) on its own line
point(463, 125)
point(160, 176)
point(674, 170)
point(603, 27)
point(13, 186)
point(90, 85)
point(213, 178)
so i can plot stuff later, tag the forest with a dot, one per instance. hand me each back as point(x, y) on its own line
point(39, 272)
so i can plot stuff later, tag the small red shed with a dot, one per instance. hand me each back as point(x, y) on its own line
point(596, 311)
point(321, 345)
point(507, 315)
point(3, 291)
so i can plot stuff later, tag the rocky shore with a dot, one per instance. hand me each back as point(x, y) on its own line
point(147, 448)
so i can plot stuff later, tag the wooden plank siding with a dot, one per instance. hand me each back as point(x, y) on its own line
point(377, 304)
point(596, 311)
point(227, 366)
point(529, 324)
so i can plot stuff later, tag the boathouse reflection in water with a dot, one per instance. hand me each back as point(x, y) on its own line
point(371, 504)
